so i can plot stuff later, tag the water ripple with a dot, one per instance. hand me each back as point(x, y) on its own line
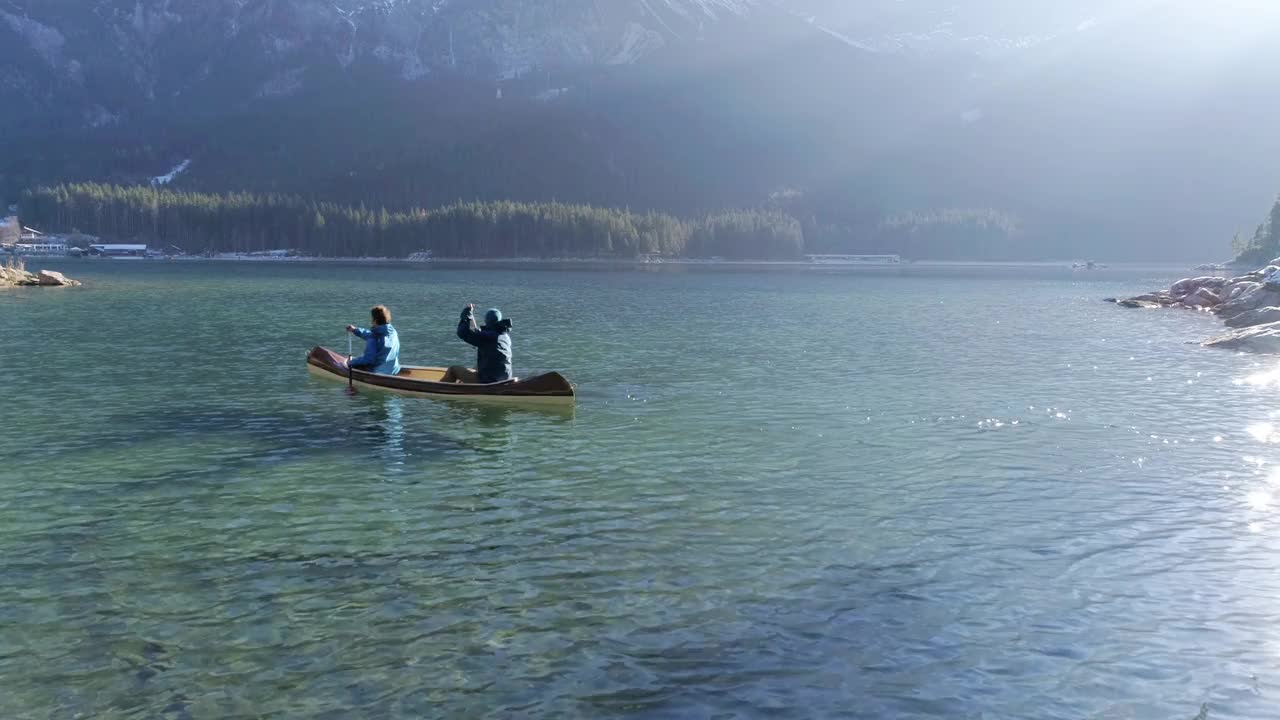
point(908, 511)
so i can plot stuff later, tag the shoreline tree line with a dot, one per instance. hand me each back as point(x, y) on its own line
point(257, 222)
point(1264, 246)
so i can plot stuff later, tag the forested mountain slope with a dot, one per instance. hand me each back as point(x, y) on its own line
point(1121, 129)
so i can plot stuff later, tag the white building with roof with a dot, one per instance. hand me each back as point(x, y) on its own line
point(118, 250)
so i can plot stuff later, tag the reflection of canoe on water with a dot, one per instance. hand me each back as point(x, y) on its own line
point(548, 389)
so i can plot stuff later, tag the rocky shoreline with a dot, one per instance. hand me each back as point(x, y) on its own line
point(1248, 304)
point(17, 276)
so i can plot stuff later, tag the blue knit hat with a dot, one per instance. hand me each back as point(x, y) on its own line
point(492, 316)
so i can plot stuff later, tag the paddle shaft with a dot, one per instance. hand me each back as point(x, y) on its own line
point(350, 382)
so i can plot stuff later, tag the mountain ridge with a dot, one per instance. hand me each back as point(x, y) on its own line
point(1085, 132)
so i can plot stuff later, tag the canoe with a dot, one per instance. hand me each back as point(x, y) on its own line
point(549, 389)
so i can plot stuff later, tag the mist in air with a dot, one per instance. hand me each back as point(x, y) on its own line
point(1132, 130)
point(999, 129)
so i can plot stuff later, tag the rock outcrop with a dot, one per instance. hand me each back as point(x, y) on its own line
point(1202, 298)
point(1153, 300)
point(49, 278)
point(1202, 293)
point(1259, 316)
point(1256, 339)
point(1238, 288)
point(1250, 299)
point(1249, 303)
point(1190, 286)
point(11, 276)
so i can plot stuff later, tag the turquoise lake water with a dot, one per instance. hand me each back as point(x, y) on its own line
point(928, 493)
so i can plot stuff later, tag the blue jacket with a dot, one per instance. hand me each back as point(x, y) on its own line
point(493, 347)
point(381, 351)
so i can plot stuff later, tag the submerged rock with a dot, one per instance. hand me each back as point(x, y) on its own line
point(1150, 300)
point(1257, 339)
point(1140, 304)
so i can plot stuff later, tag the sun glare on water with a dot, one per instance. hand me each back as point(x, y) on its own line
point(1259, 500)
point(1263, 432)
point(1264, 378)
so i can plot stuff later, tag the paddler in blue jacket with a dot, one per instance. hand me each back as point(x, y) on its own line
point(381, 347)
point(493, 348)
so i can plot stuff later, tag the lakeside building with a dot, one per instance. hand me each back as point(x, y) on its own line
point(43, 248)
point(118, 250)
point(854, 259)
point(29, 242)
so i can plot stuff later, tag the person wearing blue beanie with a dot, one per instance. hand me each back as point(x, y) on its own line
point(493, 348)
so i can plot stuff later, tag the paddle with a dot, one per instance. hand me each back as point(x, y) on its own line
point(351, 386)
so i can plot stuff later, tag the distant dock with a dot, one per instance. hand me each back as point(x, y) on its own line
point(854, 259)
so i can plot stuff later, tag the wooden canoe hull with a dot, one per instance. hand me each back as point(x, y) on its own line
point(549, 389)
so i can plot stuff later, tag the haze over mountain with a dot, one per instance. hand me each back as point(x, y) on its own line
point(1117, 130)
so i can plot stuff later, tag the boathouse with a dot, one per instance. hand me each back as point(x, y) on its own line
point(118, 250)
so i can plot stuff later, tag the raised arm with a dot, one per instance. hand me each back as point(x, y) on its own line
point(472, 334)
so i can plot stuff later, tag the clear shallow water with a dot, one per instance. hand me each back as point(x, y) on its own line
point(951, 493)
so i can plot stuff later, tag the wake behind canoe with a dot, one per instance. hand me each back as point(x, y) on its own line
point(548, 389)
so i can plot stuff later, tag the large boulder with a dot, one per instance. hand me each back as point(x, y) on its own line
point(1202, 298)
point(1263, 339)
point(1189, 286)
point(1250, 299)
point(49, 278)
point(1259, 316)
point(1238, 287)
point(1271, 277)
